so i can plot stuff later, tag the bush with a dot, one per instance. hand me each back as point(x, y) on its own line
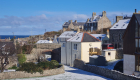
point(30, 68)
point(48, 64)
point(21, 58)
point(13, 67)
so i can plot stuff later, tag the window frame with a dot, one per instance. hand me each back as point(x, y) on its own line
point(75, 47)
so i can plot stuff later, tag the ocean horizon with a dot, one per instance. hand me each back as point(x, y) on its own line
point(11, 36)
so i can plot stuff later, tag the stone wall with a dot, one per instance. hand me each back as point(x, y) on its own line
point(48, 46)
point(22, 74)
point(119, 54)
point(116, 37)
point(113, 74)
point(104, 22)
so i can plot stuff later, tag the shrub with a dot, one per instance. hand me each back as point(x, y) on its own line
point(48, 64)
point(21, 58)
point(13, 67)
point(30, 68)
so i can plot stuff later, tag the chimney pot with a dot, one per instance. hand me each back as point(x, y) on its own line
point(135, 10)
point(75, 21)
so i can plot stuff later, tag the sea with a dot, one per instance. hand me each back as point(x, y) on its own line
point(12, 36)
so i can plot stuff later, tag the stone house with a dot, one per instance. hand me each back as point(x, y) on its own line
point(97, 22)
point(74, 26)
point(79, 47)
point(131, 46)
point(117, 30)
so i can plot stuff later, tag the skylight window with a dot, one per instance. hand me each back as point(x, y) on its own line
point(123, 24)
point(117, 25)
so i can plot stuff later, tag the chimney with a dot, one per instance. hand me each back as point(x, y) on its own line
point(71, 21)
point(93, 14)
point(75, 21)
point(88, 20)
point(108, 33)
point(119, 18)
point(104, 13)
point(135, 10)
point(64, 29)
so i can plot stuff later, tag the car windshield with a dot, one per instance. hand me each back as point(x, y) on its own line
point(110, 45)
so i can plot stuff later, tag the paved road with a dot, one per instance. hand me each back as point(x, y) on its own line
point(70, 74)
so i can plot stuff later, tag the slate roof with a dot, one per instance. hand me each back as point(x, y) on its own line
point(74, 23)
point(121, 24)
point(43, 41)
point(6, 43)
point(67, 34)
point(83, 37)
point(95, 18)
point(99, 35)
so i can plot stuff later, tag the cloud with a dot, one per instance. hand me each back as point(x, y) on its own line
point(51, 21)
point(38, 24)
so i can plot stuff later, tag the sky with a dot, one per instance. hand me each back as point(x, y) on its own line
point(32, 17)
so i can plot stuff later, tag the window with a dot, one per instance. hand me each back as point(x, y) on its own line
point(75, 46)
point(62, 39)
point(110, 45)
point(109, 54)
point(63, 45)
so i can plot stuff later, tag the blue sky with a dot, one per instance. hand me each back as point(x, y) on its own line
point(26, 17)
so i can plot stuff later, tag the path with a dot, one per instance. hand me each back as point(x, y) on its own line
point(70, 74)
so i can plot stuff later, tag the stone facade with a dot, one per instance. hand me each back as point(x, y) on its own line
point(22, 74)
point(116, 37)
point(113, 74)
point(119, 54)
point(75, 26)
point(97, 22)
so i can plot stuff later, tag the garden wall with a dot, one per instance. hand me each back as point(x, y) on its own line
point(22, 74)
point(113, 74)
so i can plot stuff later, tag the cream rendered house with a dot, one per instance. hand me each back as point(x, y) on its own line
point(78, 47)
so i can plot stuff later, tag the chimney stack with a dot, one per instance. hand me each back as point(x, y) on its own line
point(75, 21)
point(88, 20)
point(104, 13)
point(93, 14)
point(135, 10)
point(119, 18)
point(71, 21)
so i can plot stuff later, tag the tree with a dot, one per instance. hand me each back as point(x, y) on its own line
point(6, 49)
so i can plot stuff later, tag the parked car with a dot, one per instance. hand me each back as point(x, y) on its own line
point(107, 46)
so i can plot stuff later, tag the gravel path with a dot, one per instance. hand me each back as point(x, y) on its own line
point(70, 74)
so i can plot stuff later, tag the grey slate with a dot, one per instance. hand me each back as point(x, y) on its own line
point(89, 38)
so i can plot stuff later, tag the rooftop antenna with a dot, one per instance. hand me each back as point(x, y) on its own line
point(45, 30)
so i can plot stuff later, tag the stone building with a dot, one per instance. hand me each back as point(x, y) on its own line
point(74, 26)
point(117, 30)
point(97, 22)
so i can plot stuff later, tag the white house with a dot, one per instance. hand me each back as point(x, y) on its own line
point(78, 47)
point(43, 41)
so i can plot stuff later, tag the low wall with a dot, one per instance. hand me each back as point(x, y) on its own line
point(22, 74)
point(113, 74)
point(48, 46)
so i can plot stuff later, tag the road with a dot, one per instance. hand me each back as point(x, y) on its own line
point(71, 73)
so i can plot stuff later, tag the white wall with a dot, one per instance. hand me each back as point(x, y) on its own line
point(111, 56)
point(128, 63)
point(85, 49)
point(63, 53)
